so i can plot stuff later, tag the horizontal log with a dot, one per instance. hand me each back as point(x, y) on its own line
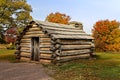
point(44, 35)
point(46, 58)
point(27, 46)
point(24, 43)
point(34, 32)
point(58, 26)
point(26, 39)
point(34, 29)
point(45, 41)
point(73, 40)
point(26, 51)
point(79, 37)
point(41, 35)
point(29, 36)
point(62, 29)
point(28, 55)
point(45, 46)
point(74, 53)
point(42, 39)
point(45, 55)
point(25, 59)
point(45, 51)
point(25, 56)
point(63, 47)
point(79, 50)
point(76, 43)
point(34, 26)
point(66, 32)
point(41, 51)
point(66, 59)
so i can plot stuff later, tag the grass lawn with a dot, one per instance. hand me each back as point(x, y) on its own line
point(7, 55)
point(106, 66)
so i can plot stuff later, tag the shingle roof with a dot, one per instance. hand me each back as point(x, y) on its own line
point(61, 31)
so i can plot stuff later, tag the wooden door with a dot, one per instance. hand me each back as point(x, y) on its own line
point(35, 48)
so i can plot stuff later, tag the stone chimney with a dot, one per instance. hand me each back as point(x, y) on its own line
point(76, 24)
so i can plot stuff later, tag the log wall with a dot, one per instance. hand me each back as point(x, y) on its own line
point(74, 49)
point(54, 49)
point(44, 47)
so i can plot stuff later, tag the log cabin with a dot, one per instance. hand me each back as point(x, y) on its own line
point(48, 42)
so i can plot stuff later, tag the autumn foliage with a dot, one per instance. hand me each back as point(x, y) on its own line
point(11, 35)
point(107, 35)
point(58, 18)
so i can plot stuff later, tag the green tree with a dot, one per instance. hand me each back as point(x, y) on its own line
point(107, 35)
point(14, 13)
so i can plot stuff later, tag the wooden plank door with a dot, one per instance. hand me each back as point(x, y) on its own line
point(35, 48)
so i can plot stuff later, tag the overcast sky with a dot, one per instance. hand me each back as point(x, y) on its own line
point(85, 11)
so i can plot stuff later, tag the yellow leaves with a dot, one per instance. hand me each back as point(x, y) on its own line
point(10, 10)
point(23, 15)
point(14, 13)
point(117, 40)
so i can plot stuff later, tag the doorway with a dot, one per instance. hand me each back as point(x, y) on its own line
point(35, 48)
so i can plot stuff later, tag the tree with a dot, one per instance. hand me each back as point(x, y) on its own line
point(11, 35)
point(107, 35)
point(1, 37)
point(14, 13)
point(58, 18)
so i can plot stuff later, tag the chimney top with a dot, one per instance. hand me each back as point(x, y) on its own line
point(76, 24)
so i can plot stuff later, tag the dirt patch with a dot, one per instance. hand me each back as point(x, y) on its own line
point(23, 71)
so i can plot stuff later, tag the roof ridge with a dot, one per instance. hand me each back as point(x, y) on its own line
point(58, 25)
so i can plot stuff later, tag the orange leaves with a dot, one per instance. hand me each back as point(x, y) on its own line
point(58, 18)
point(107, 35)
point(113, 47)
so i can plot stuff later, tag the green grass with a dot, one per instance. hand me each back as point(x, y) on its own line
point(7, 55)
point(106, 66)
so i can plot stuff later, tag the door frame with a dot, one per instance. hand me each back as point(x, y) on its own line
point(35, 48)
